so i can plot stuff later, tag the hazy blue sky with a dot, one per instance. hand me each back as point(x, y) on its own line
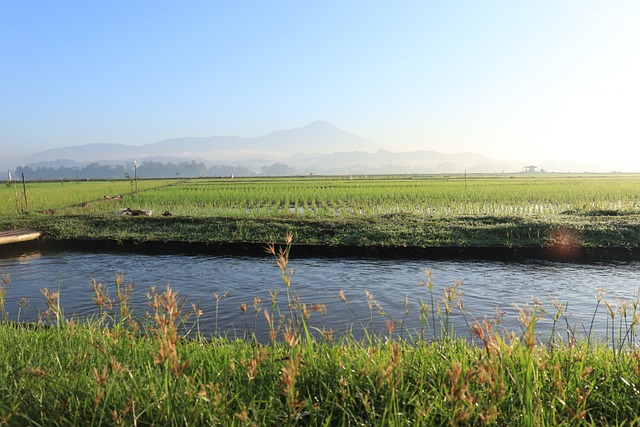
point(510, 79)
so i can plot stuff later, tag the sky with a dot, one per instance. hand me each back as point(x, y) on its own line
point(550, 80)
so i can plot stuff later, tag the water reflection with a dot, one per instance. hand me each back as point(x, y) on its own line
point(393, 285)
point(22, 257)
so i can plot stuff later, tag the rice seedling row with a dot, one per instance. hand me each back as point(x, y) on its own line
point(432, 196)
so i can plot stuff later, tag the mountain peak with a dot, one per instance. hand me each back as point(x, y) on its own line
point(317, 126)
point(317, 137)
point(320, 124)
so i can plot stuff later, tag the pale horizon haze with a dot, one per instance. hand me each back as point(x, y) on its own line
point(538, 81)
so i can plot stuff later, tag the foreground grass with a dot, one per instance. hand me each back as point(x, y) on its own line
point(90, 375)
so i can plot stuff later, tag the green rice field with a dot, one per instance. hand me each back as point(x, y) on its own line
point(457, 210)
point(544, 195)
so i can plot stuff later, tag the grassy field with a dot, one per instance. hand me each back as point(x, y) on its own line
point(422, 211)
point(67, 195)
point(483, 195)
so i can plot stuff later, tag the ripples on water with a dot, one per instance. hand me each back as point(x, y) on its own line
point(486, 285)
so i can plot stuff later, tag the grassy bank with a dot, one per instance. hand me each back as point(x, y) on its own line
point(79, 374)
point(390, 230)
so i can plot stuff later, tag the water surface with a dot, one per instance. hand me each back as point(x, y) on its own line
point(487, 286)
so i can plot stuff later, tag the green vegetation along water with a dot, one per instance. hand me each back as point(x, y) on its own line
point(86, 374)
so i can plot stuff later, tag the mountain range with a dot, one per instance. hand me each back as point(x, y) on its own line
point(315, 138)
point(318, 148)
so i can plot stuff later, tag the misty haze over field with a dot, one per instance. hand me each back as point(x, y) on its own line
point(318, 148)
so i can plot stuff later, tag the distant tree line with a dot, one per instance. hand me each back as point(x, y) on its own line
point(147, 169)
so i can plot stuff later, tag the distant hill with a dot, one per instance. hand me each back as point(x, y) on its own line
point(87, 153)
point(317, 137)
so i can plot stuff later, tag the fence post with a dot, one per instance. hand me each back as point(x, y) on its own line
point(135, 173)
point(24, 187)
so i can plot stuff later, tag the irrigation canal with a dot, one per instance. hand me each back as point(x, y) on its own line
point(393, 283)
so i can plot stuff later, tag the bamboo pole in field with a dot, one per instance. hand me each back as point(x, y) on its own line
point(24, 187)
point(135, 173)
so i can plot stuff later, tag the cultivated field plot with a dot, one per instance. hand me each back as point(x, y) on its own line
point(67, 194)
point(379, 211)
point(518, 195)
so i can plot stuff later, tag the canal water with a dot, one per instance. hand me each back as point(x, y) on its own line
point(377, 292)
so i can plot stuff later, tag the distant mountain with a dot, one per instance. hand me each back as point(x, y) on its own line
point(87, 153)
point(317, 137)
